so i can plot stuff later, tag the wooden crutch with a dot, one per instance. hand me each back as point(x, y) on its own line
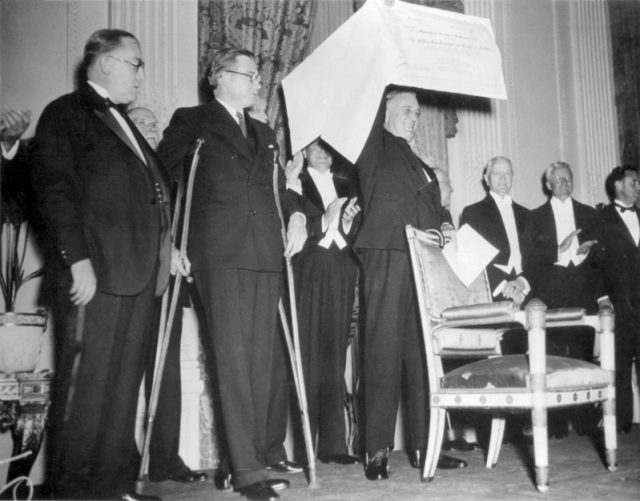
point(167, 314)
point(292, 338)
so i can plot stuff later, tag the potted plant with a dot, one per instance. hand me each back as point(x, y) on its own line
point(21, 334)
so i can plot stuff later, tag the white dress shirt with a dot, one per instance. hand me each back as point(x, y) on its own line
point(327, 190)
point(565, 224)
point(505, 207)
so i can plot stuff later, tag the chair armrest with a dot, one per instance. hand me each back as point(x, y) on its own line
point(564, 315)
point(478, 314)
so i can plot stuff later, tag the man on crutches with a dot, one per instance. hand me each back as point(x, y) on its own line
point(236, 251)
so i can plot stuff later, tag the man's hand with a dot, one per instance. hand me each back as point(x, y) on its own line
point(84, 282)
point(513, 290)
point(178, 265)
point(332, 211)
point(566, 243)
point(13, 123)
point(296, 234)
point(293, 168)
point(350, 211)
point(449, 232)
point(586, 246)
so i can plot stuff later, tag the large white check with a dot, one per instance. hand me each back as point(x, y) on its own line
point(335, 92)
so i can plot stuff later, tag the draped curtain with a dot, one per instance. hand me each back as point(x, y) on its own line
point(277, 32)
point(625, 37)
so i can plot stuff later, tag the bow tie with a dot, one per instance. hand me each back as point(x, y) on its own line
point(122, 108)
point(623, 208)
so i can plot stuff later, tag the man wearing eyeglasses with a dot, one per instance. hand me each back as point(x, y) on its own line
point(104, 197)
point(236, 253)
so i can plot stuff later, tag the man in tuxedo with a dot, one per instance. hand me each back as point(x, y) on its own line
point(620, 235)
point(397, 189)
point(236, 250)
point(164, 461)
point(326, 273)
point(104, 197)
point(501, 221)
point(560, 258)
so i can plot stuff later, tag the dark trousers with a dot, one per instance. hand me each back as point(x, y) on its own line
point(627, 347)
point(241, 314)
point(94, 450)
point(392, 345)
point(325, 289)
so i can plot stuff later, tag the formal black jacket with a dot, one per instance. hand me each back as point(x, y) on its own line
point(98, 197)
point(234, 219)
point(621, 265)
point(559, 286)
point(484, 217)
point(395, 191)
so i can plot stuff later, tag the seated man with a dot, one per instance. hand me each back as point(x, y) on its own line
point(501, 221)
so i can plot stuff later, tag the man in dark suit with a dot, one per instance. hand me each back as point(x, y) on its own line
point(501, 221)
point(104, 197)
point(235, 249)
point(561, 258)
point(620, 235)
point(326, 273)
point(397, 189)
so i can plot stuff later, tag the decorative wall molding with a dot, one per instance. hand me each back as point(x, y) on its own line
point(75, 46)
point(594, 96)
point(156, 25)
point(481, 127)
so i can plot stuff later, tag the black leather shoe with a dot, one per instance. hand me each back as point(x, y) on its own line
point(279, 484)
point(260, 491)
point(189, 476)
point(285, 466)
point(339, 459)
point(134, 496)
point(460, 445)
point(222, 480)
point(378, 467)
point(415, 458)
point(449, 463)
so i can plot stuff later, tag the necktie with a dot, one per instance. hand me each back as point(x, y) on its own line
point(623, 208)
point(242, 123)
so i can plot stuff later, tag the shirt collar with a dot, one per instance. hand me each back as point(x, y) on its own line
point(622, 204)
point(556, 202)
point(317, 175)
point(232, 111)
point(506, 200)
point(102, 92)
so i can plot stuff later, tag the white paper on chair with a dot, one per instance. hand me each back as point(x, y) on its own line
point(470, 255)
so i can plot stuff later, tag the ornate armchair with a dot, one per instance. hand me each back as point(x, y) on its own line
point(463, 322)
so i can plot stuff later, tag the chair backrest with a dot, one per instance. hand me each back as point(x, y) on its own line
point(440, 286)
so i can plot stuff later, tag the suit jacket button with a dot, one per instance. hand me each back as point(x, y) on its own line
point(252, 212)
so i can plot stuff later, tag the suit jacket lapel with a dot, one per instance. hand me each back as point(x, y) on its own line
point(619, 226)
point(310, 190)
point(225, 126)
point(111, 122)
